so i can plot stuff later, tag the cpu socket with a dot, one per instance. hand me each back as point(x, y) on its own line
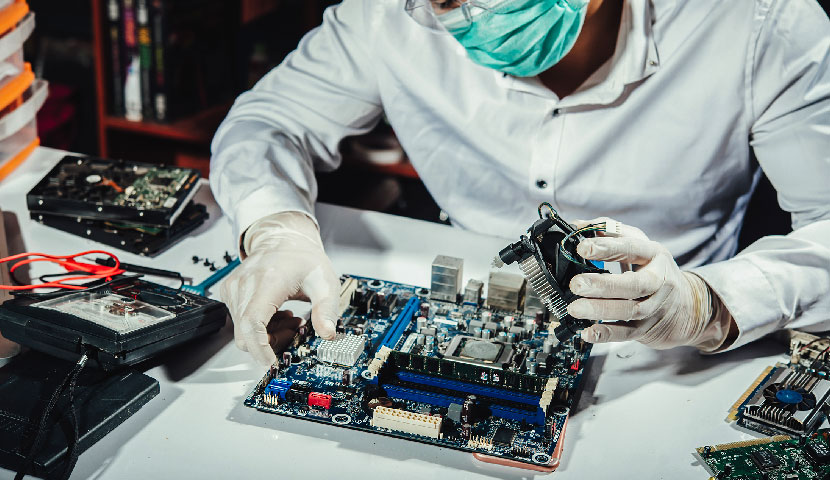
point(477, 351)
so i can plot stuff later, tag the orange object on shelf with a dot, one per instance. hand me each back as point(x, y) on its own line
point(14, 162)
point(20, 99)
point(12, 93)
point(12, 15)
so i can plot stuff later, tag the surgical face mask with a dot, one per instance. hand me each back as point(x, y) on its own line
point(518, 37)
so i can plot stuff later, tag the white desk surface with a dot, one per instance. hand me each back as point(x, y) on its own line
point(641, 415)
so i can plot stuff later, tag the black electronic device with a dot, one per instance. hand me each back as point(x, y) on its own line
point(139, 239)
point(114, 190)
point(123, 322)
point(548, 258)
point(102, 402)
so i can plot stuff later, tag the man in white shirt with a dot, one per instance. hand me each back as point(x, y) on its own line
point(658, 113)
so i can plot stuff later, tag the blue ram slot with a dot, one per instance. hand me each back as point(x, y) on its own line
point(396, 330)
point(278, 387)
point(430, 398)
point(439, 400)
point(474, 389)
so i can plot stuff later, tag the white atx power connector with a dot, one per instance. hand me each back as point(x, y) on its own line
point(408, 422)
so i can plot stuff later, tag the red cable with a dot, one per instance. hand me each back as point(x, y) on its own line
point(70, 264)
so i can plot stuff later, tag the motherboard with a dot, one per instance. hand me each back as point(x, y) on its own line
point(437, 366)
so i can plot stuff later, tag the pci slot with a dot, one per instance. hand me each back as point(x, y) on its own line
point(399, 326)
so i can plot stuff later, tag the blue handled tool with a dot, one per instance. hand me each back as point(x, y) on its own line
point(201, 289)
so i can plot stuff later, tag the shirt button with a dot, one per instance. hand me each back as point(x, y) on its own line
point(556, 112)
point(541, 184)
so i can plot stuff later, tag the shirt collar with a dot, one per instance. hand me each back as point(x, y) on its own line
point(635, 58)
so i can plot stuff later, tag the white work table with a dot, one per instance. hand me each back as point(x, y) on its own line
point(641, 415)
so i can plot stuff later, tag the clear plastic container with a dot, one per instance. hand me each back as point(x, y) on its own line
point(16, 25)
point(20, 101)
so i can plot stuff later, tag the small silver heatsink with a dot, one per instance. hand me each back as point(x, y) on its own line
point(345, 349)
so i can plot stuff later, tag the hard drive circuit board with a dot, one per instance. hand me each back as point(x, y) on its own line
point(459, 374)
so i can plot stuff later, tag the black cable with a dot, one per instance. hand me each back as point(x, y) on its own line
point(73, 452)
point(62, 292)
point(40, 436)
point(43, 278)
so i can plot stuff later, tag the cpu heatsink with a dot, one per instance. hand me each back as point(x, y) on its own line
point(552, 299)
point(789, 401)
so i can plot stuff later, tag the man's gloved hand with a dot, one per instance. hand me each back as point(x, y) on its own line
point(285, 261)
point(656, 304)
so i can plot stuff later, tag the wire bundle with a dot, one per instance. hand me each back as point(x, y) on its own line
point(84, 271)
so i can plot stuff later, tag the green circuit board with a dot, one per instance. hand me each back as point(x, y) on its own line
point(773, 458)
point(452, 374)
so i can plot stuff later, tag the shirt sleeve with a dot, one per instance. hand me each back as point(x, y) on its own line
point(785, 280)
point(265, 152)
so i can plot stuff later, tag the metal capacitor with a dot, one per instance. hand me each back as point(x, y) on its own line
point(421, 323)
point(531, 368)
point(486, 333)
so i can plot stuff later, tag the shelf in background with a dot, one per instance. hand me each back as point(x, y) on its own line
point(198, 128)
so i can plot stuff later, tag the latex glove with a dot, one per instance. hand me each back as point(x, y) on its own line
point(285, 261)
point(656, 304)
point(8, 348)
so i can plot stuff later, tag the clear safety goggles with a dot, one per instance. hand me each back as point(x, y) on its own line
point(459, 15)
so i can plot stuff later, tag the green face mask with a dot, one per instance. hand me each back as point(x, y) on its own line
point(524, 39)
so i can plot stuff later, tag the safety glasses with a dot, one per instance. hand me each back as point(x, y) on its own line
point(445, 16)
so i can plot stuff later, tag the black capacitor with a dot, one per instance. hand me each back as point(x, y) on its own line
point(466, 431)
point(367, 308)
point(286, 359)
point(357, 297)
point(347, 377)
point(468, 409)
point(388, 305)
point(302, 332)
point(425, 309)
point(540, 318)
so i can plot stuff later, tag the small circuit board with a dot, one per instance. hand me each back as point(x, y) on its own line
point(431, 366)
point(775, 458)
point(114, 190)
point(790, 399)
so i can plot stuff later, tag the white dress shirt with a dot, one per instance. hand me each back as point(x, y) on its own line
point(664, 136)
